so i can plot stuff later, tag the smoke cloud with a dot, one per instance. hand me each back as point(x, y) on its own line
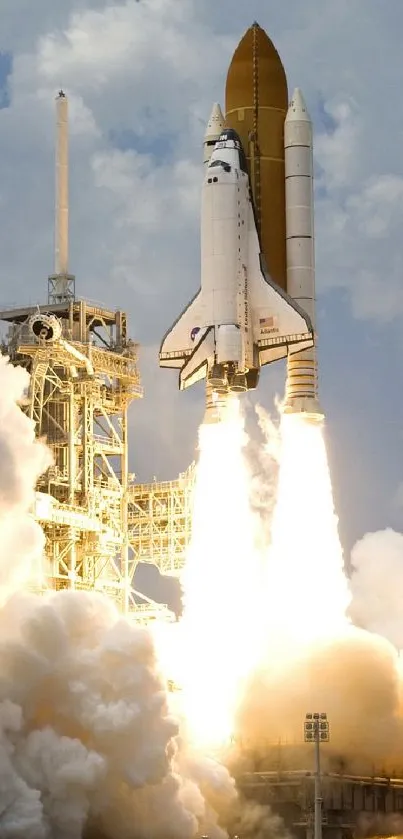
point(88, 744)
point(22, 461)
point(86, 736)
point(250, 819)
point(377, 584)
point(356, 679)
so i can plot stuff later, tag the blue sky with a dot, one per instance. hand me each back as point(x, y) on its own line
point(141, 78)
point(6, 68)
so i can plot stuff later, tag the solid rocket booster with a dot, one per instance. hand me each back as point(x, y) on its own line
point(302, 382)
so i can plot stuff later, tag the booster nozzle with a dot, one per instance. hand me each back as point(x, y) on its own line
point(302, 386)
point(307, 407)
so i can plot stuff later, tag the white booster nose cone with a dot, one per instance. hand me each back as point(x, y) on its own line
point(214, 128)
point(215, 124)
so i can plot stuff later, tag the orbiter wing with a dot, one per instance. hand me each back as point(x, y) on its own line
point(182, 338)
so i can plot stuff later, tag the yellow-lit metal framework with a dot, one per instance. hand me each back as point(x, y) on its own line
point(159, 518)
point(98, 524)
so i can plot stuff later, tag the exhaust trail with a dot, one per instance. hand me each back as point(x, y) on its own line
point(307, 588)
point(221, 584)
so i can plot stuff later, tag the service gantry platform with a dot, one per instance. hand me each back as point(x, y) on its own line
point(98, 523)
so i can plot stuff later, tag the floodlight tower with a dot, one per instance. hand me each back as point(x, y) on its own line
point(316, 730)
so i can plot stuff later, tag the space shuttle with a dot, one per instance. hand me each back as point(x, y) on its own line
point(240, 319)
point(256, 303)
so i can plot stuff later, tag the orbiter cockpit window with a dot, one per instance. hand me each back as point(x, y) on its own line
point(222, 163)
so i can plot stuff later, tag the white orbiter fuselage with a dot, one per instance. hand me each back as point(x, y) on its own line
point(240, 319)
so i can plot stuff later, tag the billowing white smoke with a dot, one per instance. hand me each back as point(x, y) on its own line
point(85, 732)
point(88, 746)
point(22, 460)
point(377, 584)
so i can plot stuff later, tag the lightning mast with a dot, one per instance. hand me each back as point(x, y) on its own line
point(61, 284)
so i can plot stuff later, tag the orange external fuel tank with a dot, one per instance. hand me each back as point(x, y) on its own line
point(256, 104)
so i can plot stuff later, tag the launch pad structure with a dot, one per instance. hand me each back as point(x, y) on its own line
point(98, 523)
point(353, 806)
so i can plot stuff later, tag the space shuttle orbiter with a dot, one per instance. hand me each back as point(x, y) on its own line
point(240, 319)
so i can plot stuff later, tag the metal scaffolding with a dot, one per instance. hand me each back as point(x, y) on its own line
point(353, 805)
point(98, 524)
point(159, 519)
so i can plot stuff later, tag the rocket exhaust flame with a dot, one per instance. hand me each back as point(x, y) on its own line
point(313, 656)
point(307, 587)
point(217, 405)
point(220, 583)
point(246, 608)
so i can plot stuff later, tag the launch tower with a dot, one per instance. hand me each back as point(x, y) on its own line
point(97, 522)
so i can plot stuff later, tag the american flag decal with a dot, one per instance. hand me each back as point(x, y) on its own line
point(267, 322)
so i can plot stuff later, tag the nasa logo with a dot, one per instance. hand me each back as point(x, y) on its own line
point(194, 332)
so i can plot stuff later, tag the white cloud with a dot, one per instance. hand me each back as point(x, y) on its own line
point(377, 584)
point(336, 151)
point(358, 246)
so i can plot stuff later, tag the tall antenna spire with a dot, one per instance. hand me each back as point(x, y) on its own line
point(62, 185)
point(61, 284)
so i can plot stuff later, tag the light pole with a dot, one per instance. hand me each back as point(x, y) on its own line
point(316, 730)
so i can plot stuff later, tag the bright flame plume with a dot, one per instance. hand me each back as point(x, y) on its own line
point(220, 583)
point(308, 590)
point(248, 608)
